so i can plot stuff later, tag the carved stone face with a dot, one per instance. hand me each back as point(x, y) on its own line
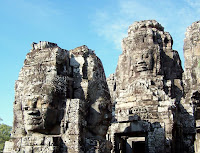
point(99, 117)
point(40, 113)
point(143, 60)
point(44, 91)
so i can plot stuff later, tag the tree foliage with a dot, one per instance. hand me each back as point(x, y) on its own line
point(4, 135)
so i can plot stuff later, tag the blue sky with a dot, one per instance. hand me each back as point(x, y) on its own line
point(100, 25)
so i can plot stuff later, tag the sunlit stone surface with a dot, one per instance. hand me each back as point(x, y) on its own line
point(150, 105)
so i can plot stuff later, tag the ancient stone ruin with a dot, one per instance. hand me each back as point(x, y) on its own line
point(64, 104)
point(192, 77)
point(149, 113)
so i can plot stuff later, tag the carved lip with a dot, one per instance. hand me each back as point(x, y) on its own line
point(33, 117)
point(141, 68)
point(34, 120)
point(33, 112)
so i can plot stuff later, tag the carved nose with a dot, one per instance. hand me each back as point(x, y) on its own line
point(33, 103)
point(140, 60)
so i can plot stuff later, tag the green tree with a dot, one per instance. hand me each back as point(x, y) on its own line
point(4, 135)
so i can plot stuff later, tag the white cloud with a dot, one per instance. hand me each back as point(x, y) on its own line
point(113, 24)
point(110, 27)
point(194, 4)
point(174, 16)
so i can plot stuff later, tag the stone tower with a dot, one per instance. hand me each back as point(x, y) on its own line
point(62, 102)
point(147, 92)
point(191, 76)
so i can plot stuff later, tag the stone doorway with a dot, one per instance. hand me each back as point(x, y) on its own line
point(138, 147)
point(130, 144)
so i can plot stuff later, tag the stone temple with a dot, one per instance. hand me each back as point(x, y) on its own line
point(64, 103)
